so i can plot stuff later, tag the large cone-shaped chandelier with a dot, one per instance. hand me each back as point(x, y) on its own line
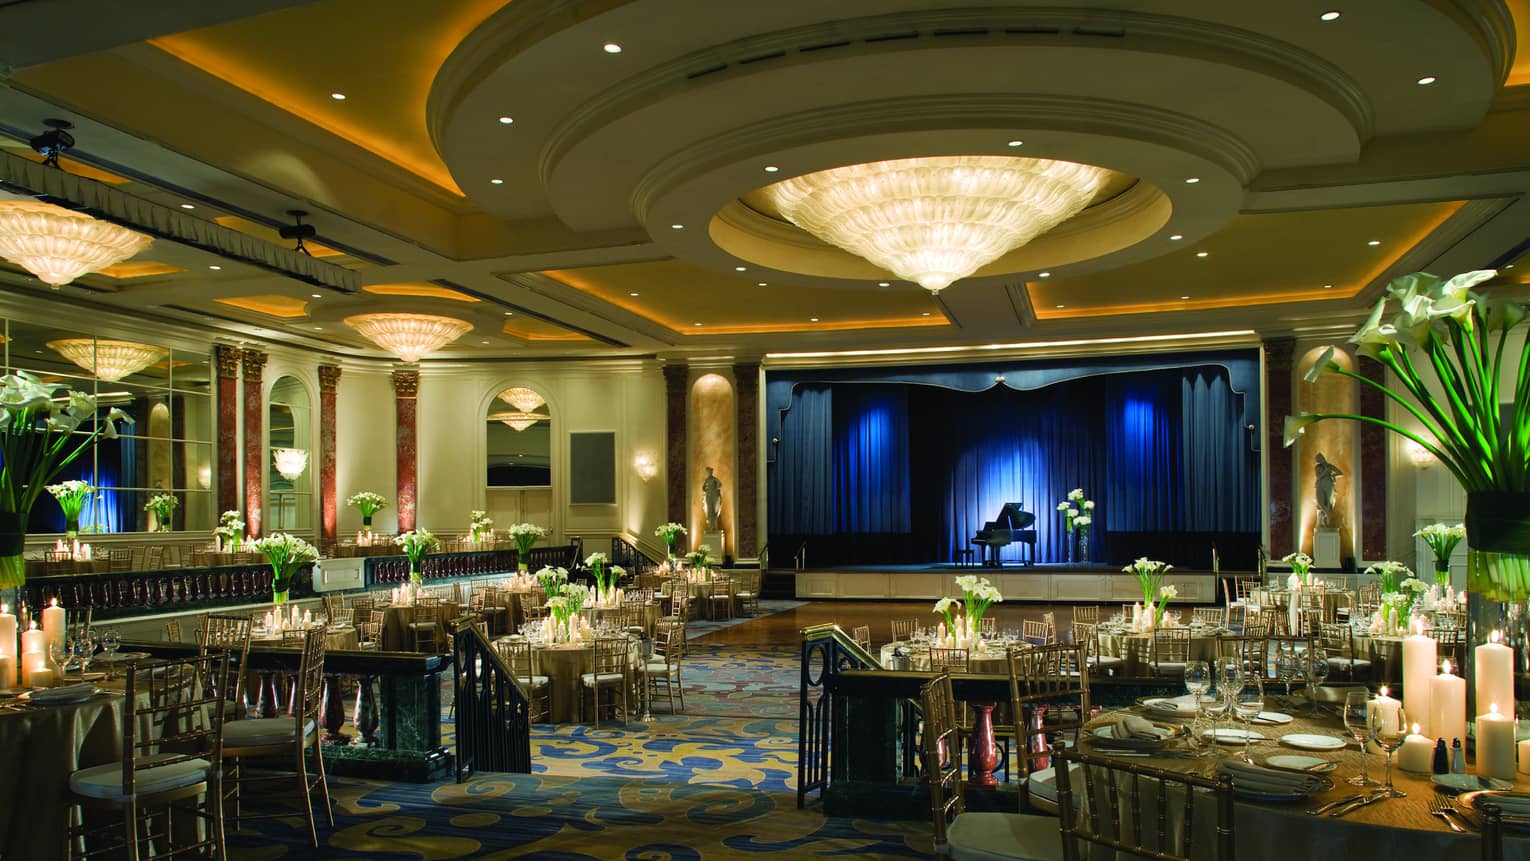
point(59, 245)
point(409, 336)
point(524, 399)
point(935, 220)
point(518, 420)
point(109, 361)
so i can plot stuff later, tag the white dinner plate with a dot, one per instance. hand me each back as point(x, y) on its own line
point(1298, 762)
point(1276, 718)
point(1226, 735)
point(119, 657)
point(1469, 782)
point(1312, 741)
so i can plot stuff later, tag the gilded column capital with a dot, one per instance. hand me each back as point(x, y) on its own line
point(227, 359)
point(254, 363)
point(329, 379)
point(406, 384)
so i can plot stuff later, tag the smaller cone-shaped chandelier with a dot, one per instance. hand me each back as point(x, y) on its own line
point(524, 399)
point(935, 220)
point(409, 336)
point(59, 245)
point(518, 420)
point(109, 361)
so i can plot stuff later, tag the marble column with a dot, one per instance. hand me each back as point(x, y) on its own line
point(254, 363)
point(1373, 464)
point(676, 392)
point(1279, 364)
point(406, 388)
point(329, 381)
point(226, 359)
point(746, 388)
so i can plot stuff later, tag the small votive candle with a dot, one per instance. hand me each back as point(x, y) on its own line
point(1524, 757)
point(42, 678)
point(1417, 753)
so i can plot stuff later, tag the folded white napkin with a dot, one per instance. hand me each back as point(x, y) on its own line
point(62, 694)
point(1261, 779)
point(1184, 705)
point(1516, 804)
point(1135, 727)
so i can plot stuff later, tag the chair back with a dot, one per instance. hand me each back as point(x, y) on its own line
point(903, 629)
point(173, 712)
point(941, 755)
point(1212, 616)
point(1089, 613)
point(517, 656)
point(1171, 645)
point(119, 560)
point(1035, 632)
point(1048, 697)
point(231, 634)
point(611, 655)
point(1119, 802)
point(948, 659)
point(862, 635)
point(1250, 651)
point(1339, 640)
point(664, 643)
point(1449, 643)
point(1245, 586)
point(309, 687)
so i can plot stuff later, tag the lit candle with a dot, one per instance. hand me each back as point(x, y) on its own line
point(7, 672)
point(54, 624)
point(34, 654)
point(1419, 655)
point(7, 634)
point(1524, 757)
point(1495, 744)
point(1417, 753)
point(1495, 674)
point(1390, 712)
point(1447, 705)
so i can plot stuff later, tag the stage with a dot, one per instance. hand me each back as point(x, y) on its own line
point(1066, 583)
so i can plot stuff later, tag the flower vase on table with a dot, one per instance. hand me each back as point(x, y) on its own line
point(286, 554)
point(416, 545)
point(524, 535)
point(1081, 555)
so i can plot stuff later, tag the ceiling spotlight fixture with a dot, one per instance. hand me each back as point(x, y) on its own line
point(1184, 297)
point(290, 462)
point(509, 313)
point(1327, 286)
point(339, 97)
point(1329, 16)
point(884, 283)
point(187, 206)
point(1374, 242)
point(1043, 274)
point(1175, 237)
point(695, 324)
point(760, 284)
point(925, 314)
point(216, 268)
point(506, 120)
point(1192, 180)
point(612, 48)
point(409, 336)
point(936, 220)
point(1016, 143)
point(740, 268)
point(109, 361)
point(1062, 306)
point(522, 398)
point(298, 230)
point(770, 168)
point(632, 294)
point(812, 319)
point(1202, 253)
point(677, 227)
point(317, 295)
point(496, 181)
point(1427, 80)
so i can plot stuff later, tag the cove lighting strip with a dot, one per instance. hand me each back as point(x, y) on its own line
point(1022, 345)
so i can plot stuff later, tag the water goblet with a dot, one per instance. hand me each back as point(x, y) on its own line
point(58, 656)
point(111, 641)
point(1357, 722)
point(1317, 670)
point(1197, 683)
point(1387, 732)
point(1248, 702)
point(1286, 665)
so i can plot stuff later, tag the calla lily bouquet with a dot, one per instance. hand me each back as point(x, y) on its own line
point(524, 535)
point(977, 595)
point(368, 503)
point(72, 496)
point(597, 562)
point(671, 533)
point(286, 553)
point(1448, 349)
point(230, 529)
point(162, 505)
point(417, 544)
point(1391, 574)
point(1301, 565)
point(1442, 540)
point(552, 579)
point(1078, 512)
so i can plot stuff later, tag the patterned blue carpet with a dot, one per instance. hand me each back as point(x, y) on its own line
point(714, 783)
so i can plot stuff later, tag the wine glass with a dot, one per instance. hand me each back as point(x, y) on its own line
point(1357, 707)
point(111, 641)
point(1317, 670)
point(1197, 683)
point(1248, 702)
point(1287, 667)
point(1387, 731)
point(84, 648)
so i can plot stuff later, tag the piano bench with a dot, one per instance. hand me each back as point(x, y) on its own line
point(964, 558)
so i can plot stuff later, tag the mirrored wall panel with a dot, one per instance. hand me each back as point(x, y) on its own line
point(519, 439)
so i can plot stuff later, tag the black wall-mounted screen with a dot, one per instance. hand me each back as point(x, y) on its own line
point(592, 467)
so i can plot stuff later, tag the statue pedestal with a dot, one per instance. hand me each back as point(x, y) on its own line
point(1325, 547)
point(714, 540)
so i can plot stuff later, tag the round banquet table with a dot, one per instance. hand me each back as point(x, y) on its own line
point(339, 638)
point(650, 615)
point(395, 630)
point(991, 659)
point(1268, 831)
point(1136, 649)
point(39, 747)
point(563, 664)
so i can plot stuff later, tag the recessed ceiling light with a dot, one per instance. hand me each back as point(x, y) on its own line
point(1327, 286)
point(1016, 143)
point(1044, 274)
point(187, 206)
point(483, 342)
point(633, 293)
point(695, 324)
point(1374, 242)
point(1202, 253)
point(740, 268)
point(506, 120)
point(1508, 266)
point(339, 97)
point(215, 267)
point(317, 295)
point(318, 328)
point(812, 319)
point(1192, 180)
point(761, 284)
point(613, 48)
point(509, 313)
point(925, 314)
point(1184, 297)
point(1175, 237)
point(884, 283)
point(496, 181)
point(1427, 80)
point(1329, 16)
point(770, 168)
point(1062, 306)
point(677, 227)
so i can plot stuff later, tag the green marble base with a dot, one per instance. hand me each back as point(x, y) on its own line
point(377, 763)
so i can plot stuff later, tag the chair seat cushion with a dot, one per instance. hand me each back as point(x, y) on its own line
point(105, 781)
point(533, 681)
point(1107, 661)
point(1349, 663)
point(1170, 668)
point(259, 732)
point(423, 624)
point(1004, 837)
point(600, 678)
point(1042, 783)
point(656, 668)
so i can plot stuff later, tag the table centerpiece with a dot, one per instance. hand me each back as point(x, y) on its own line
point(229, 532)
point(480, 526)
point(71, 496)
point(1468, 397)
point(368, 503)
point(1155, 594)
point(417, 544)
point(965, 631)
point(162, 506)
point(286, 553)
point(525, 535)
point(671, 533)
point(1301, 570)
point(1078, 518)
point(1442, 539)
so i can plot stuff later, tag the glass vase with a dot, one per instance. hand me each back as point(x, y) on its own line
point(416, 571)
point(279, 588)
point(1496, 600)
point(13, 541)
point(1081, 554)
point(71, 527)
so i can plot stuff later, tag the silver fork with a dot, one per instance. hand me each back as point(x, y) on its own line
point(1448, 804)
point(1441, 808)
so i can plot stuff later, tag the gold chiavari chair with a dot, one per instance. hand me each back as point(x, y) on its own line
point(611, 675)
point(516, 654)
point(662, 671)
point(1339, 642)
point(903, 629)
point(1124, 808)
point(1087, 634)
point(1049, 699)
point(1213, 617)
point(1250, 651)
point(747, 593)
point(1036, 632)
point(862, 636)
point(1449, 643)
point(229, 633)
point(1087, 613)
point(948, 660)
point(1171, 651)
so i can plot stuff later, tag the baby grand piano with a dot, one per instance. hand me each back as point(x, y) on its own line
point(1014, 523)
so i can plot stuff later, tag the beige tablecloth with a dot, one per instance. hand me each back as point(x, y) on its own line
point(395, 631)
point(337, 639)
point(992, 659)
point(1137, 650)
point(563, 665)
point(39, 747)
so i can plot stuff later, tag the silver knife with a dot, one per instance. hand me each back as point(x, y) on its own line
point(1356, 805)
point(1320, 810)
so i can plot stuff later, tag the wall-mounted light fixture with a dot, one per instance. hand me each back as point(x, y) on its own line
point(290, 462)
point(645, 465)
point(1419, 455)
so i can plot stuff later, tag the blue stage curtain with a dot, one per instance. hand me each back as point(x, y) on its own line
point(1221, 472)
point(801, 478)
point(871, 482)
point(1142, 491)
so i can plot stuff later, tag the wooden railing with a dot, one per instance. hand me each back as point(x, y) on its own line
point(826, 650)
point(631, 557)
point(383, 570)
point(492, 714)
point(135, 593)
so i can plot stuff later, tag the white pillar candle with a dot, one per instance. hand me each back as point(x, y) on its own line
point(1495, 744)
point(1524, 757)
point(7, 672)
point(1494, 673)
point(1389, 708)
point(1293, 610)
point(34, 653)
point(54, 623)
point(8, 636)
point(1419, 655)
point(1417, 753)
point(1447, 706)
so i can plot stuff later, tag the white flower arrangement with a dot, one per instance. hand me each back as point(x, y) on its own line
point(1150, 574)
point(1301, 566)
point(162, 505)
point(1078, 512)
point(416, 545)
point(71, 496)
point(286, 553)
point(368, 503)
point(1391, 574)
point(1442, 539)
point(670, 532)
point(524, 535)
point(1082, 521)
